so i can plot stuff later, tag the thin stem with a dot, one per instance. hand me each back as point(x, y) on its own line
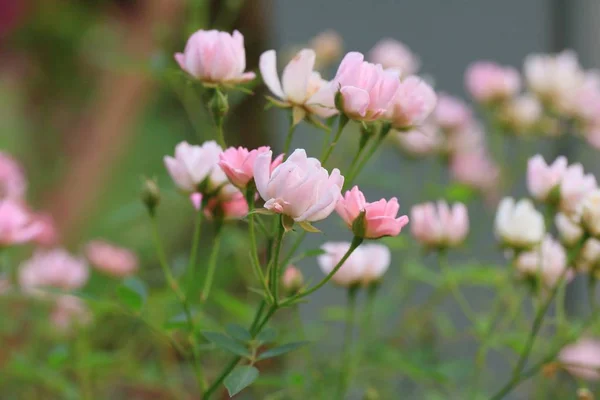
point(194, 250)
point(266, 319)
point(356, 241)
point(342, 121)
point(354, 173)
point(347, 347)
point(253, 246)
point(288, 139)
point(162, 260)
point(212, 264)
point(276, 268)
point(454, 289)
point(83, 372)
point(220, 134)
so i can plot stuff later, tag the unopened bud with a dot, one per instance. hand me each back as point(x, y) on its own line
point(292, 280)
point(359, 225)
point(584, 394)
point(150, 195)
point(219, 105)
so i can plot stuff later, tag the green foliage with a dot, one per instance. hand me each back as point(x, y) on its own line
point(240, 378)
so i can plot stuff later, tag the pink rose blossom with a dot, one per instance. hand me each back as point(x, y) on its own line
point(366, 89)
point(439, 225)
point(299, 188)
point(53, 268)
point(469, 138)
point(298, 83)
point(475, 169)
point(17, 224)
point(215, 57)
point(414, 102)
point(238, 164)
point(585, 103)
point(232, 207)
point(48, 235)
point(487, 81)
point(113, 260)
point(380, 216)
point(328, 46)
point(582, 359)
point(543, 178)
point(549, 260)
point(574, 186)
point(366, 264)
point(522, 113)
point(193, 166)
point(451, 113)
point(68, 312)
point(392, 54)
point(12, 179)
point(425, 140)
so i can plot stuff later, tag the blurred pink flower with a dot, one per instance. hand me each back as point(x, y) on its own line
point(196, 200)
point(68, 312)
point(467, 139)
point(366, 264)
point(299, 81)
point(414, 101)
point(215, 57)
point(53, 268)
point(438, 225)
point(451, 113)
point(195, 168)
point(425, 140)
point(487, 81)
point(569, 229)
point(582, 359)
point(17, 224)
point(392, 54)
point(522, 113)
point(574, 186)
point(238, 164)
point(475, 169)
point(543, 178)
point(549, 260)
point(299, 188)
point(12, 178)
point(379, 218)
point(292, 279)
point(588, 258)
point(232, 207)
point(328, 46)
point(111, 259)
point(585, 101)
point(366, 89)
point(48, 235)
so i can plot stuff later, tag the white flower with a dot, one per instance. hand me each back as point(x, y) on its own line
point(519, 225)
point(192, 165)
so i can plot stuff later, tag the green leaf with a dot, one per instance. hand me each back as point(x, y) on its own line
point(267, 335)
point(58, 355)
point(227, 343)
point(279, 350)
point(308, 227)
point(459, 192)
point(240, 310)
point(238, 332)
point(240, 378)
point(179, 321)
point(133, 293)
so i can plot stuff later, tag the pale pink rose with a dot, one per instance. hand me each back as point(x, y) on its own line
point(292, 279)
point(238, 164)
point(12, 178)
point(438, 225)
point(451, 113)
point(328, 46)
point(423, 141)
point(554, 78)
point(549, 260)
point(53, 268)
point(414, 101)
point(574, 186)
point(366, 89)
point(215, 57)
point(588, 258)
point(194, 168)
point(68, 312)
point(48, 235)
point(366, 264)
point(380, 216)
point(582, 359)
point(522, 113)
point(475, 169)
point(467, 139)
point(232, 207)
point(17, 224)
point(111, 259)
point(487, 81)
point(585, 102)
point(299, 81)
point(392, 54)
point(569, 228)
point(543, 178)
point(299, 188)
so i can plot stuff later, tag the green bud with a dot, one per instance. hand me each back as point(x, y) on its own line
point(219, 106)
point(150, 195)
point(359, 225)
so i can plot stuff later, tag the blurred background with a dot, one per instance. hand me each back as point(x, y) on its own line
point(90, 102)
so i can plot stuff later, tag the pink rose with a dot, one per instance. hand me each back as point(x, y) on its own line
point(17, 224)
point(379, 217)
point(487, 81)
point(438, 225)
point(574, 186)
point(238, 164)
point(232, 207)
point(392, 54)
point(543, 178)
point(196, 166)
point(413, 103)
point(299, 188)
point(549, 260)
point(111, 259)
point(53, 268)
point(215, 57)
point(451, 113)
point(582, 359)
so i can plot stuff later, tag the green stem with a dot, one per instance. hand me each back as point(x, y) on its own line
point(275, 267)
point(356, 241)
point(83, 372)
point(253, 246)
point(212, 264)
point(347, 347)
point(288, 139)
point(342, 121)
point(194, 251)
point(162, 260)
point(454, 289)
point(220, 134)
point(356, 171)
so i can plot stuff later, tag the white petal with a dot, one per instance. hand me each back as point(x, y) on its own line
point(268, 70)
point(297, 74)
